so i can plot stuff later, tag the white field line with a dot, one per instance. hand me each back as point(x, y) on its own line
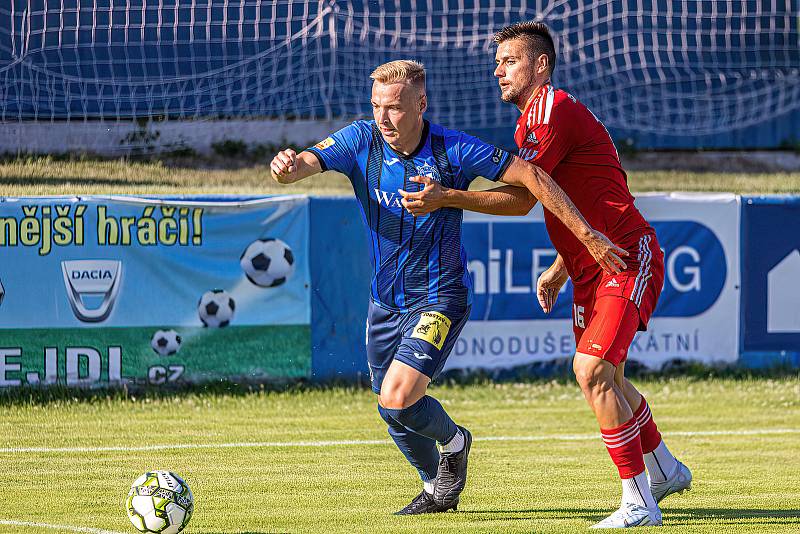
point(62, 528)
point(278, 444)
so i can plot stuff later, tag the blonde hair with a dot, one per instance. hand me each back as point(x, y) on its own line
point(402, 70)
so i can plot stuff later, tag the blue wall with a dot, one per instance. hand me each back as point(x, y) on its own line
point(340, 274)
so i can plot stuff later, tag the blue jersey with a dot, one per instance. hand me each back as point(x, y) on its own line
point(416, 260)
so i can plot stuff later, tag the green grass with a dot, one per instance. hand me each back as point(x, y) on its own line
point(743, 483)
point(49, 176)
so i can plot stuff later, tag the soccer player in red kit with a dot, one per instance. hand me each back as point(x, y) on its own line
point(560, 135)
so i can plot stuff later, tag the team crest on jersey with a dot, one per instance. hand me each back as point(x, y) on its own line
point(430, 171)
point(432, 327)
point(532, 138)
point(322, 145)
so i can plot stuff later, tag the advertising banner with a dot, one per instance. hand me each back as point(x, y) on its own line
point(697, 316)
point(101, 291)
point(771, 252)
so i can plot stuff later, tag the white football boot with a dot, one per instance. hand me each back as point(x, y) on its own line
point(680, 481)
point(632, 515)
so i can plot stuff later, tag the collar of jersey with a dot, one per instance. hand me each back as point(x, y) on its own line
point(535, 98)
point(423, 140)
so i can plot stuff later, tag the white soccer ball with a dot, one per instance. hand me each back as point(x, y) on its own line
point(160, 501)
point(166, 342)
point(267, 262)
point(216, 308)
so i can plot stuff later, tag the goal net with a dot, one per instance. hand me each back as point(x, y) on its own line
point(668, 67)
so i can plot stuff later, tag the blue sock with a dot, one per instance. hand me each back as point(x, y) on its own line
point(426, 417)
point(420, 451)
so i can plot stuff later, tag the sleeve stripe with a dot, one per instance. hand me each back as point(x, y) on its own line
point(549, 106)
point(319, 158)
point(504, 167)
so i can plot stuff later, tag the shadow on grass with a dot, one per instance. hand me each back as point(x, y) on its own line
point(676, 516)
point(83, 181)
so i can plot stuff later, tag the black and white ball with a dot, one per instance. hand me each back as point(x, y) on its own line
point(216, 308)
point(267, 262)
point(166, 342)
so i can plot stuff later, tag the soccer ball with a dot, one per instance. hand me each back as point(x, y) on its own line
point(166, 342)
point(267, 262)
point(216, 308)
point(160, 501)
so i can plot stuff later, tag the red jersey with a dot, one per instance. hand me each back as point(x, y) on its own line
point(560, 135)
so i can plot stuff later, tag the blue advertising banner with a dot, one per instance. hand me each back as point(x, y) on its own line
point(109, 290)
point(771, 256)
point(696, 317)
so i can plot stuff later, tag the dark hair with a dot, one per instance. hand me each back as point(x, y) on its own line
point(536, 34)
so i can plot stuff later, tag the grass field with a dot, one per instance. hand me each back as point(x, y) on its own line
point(320, 461)
point(47, 176)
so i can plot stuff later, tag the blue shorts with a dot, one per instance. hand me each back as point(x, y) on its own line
point(422, 338)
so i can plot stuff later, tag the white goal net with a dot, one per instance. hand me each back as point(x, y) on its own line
point(666, 67)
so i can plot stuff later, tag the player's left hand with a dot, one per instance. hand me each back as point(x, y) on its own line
point(606, 254)
point(429, 199)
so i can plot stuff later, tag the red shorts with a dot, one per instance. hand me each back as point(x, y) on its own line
point(608, 311)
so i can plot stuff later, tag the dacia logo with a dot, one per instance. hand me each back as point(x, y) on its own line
point(428, 170)
point(84, 279)
point(97, 274)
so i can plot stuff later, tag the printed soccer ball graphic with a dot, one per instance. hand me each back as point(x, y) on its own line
point(160, 501)
point(166, 342)
point(216, 308)
point(267, 262)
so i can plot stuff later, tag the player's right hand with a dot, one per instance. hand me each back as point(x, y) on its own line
point(549, 284)
point(606, 254)
point(284, 164)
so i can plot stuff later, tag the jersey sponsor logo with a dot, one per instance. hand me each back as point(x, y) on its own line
point(392, 161)
point(388, 199)
point(612, 283)
point(326, 143)
point(432, 327)
point(422, 356)
point(430, 171)
point(532, 138)
point(528, 153)
point(497, 156)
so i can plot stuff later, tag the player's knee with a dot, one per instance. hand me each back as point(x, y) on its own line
point(394, 398)
point(591, 374)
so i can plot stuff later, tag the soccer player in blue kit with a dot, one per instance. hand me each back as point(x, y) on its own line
point(421, 291)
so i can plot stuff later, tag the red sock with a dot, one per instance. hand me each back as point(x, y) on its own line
point(625, 448)
point(648, 430)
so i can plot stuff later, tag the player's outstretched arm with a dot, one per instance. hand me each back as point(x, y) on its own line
point(523, 174)
point(507, 200)
point(288, 167)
